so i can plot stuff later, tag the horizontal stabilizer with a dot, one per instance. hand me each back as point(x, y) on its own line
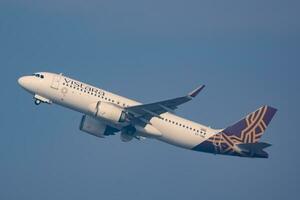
point(254, 149)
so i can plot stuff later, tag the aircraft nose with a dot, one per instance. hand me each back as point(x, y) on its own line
point(22, 81)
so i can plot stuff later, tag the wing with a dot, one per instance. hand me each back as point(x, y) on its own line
point(145, 112)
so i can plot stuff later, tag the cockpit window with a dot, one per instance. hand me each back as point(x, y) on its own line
point(38, 75)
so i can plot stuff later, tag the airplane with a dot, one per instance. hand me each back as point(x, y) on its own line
point(105, 114)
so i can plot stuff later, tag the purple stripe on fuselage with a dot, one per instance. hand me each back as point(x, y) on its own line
point(205, 146)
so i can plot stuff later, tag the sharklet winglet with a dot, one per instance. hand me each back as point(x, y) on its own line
point(195, 92)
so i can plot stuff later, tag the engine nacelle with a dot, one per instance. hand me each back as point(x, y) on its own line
point(128, 133)
point(95, 127)
point(108, 111)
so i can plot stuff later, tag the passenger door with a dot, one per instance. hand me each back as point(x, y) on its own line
point(55, 81)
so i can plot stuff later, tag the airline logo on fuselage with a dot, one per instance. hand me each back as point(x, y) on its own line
point(83, 86)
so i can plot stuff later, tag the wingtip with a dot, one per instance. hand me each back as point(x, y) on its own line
point(195, 92)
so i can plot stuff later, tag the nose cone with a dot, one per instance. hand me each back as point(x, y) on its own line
point(26, 82)
point(22, 81)
point(29, 83)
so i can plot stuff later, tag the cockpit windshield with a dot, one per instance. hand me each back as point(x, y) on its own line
point(38, 75)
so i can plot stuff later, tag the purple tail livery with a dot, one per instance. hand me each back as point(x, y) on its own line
point(242, 138)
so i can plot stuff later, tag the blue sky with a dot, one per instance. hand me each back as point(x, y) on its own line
point(246, 52)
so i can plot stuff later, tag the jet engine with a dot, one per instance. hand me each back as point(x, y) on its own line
point(96, 127)
point(108, 111)
point(128, 133)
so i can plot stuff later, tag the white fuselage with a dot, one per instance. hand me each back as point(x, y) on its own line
point(79, 96)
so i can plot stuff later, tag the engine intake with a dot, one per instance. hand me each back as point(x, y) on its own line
point(93, 126)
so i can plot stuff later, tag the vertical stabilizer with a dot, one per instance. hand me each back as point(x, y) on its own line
point(251, 128)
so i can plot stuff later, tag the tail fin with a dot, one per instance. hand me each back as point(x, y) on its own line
point(251, 128)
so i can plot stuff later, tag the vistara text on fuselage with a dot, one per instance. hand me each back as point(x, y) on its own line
point(105, 113)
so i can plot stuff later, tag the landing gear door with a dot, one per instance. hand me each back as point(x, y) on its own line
point(55, 81)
